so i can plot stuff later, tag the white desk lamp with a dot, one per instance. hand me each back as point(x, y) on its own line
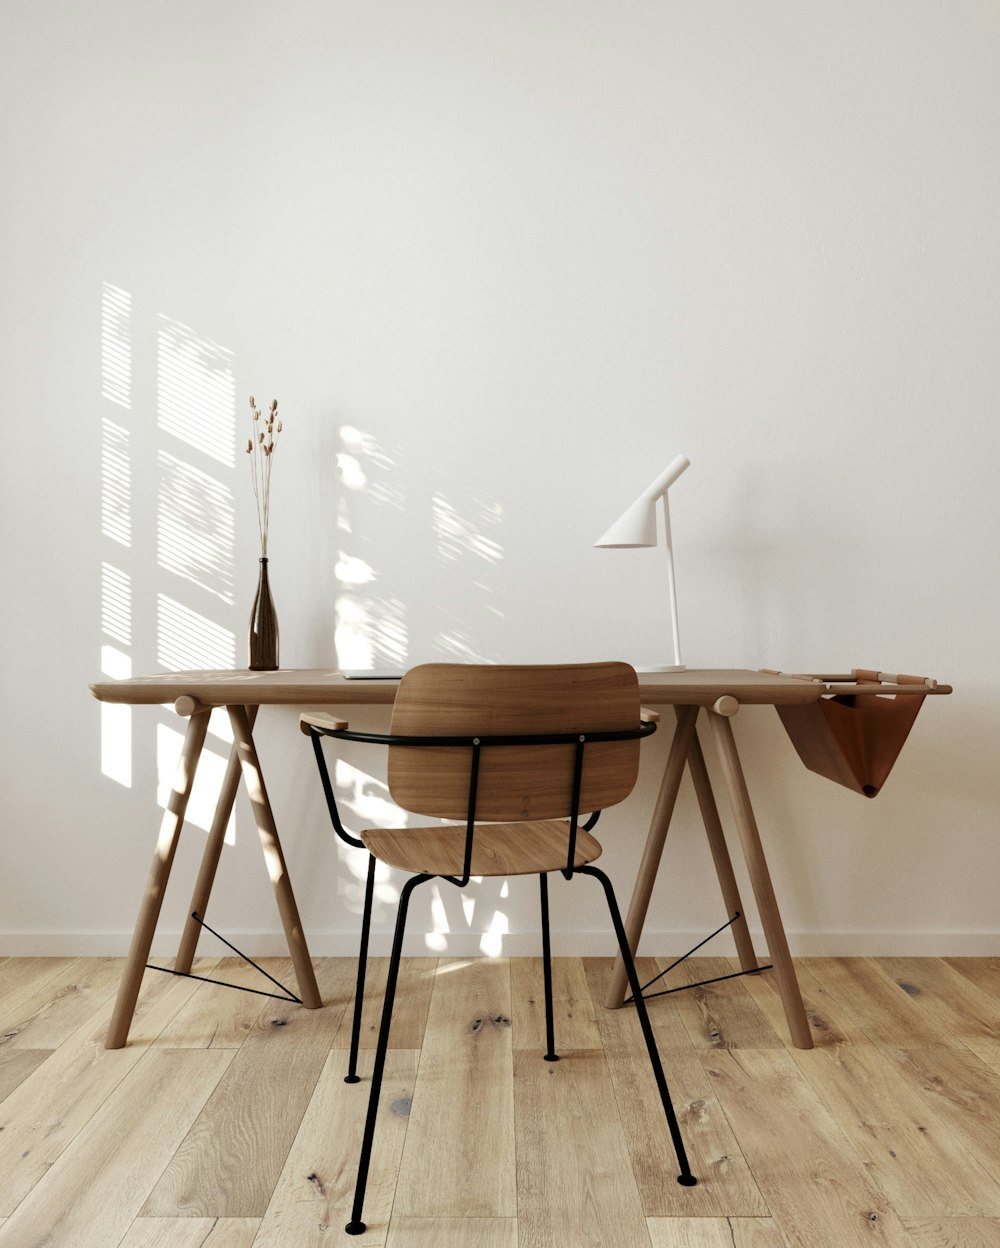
point(637, 527)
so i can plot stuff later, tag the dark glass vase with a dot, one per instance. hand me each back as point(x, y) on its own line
point(263, 627)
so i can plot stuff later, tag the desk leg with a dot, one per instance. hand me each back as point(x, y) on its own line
point(760, 878)
point(275, 859)
point(655, 839)
point(163, 860)
point(720, 854)
point(210, 858)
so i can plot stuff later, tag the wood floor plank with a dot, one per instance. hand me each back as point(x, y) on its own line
point(714, 1233)
point(409, 1012)
point(983, 972)
point(312, 1199)
point(461, 1127)
point(950, 1001)
point(573, 1010)
point(755, 1233)
point(720, 1015)
point(575, 1183)
point(16, 1065)
point(191, 1233)
point(725, 1185)
point(829, 1021)
point(909, 1148)
point(222, 1018)
point(232, 1233)
point(162, 997)
point(884, 1010)
point(887, 1133)
point(818, 1193)
point(954, 1232)
point(91, 1196)
point(40, 1118)
point(453, 1233)
point(60, 1004)
point(964, 1092)
point(168, 1233)
point(22, 977)
point(234, 1152)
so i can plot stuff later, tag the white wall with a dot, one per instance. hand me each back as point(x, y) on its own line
point(500, 262)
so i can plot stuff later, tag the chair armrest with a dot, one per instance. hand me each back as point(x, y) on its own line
point(647, 716)
point(321, 720)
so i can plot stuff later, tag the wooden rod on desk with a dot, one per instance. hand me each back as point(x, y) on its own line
point(653, 852)
point(159, 873)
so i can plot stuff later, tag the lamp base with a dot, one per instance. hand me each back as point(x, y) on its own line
point(660, 667)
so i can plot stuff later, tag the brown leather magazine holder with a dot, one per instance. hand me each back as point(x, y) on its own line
point(855, 737)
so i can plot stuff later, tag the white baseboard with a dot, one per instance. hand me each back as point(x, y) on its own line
point(655, 942)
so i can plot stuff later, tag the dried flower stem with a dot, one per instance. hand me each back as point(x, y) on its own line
point(264, 432)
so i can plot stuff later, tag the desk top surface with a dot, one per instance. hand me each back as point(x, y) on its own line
point(328, 687)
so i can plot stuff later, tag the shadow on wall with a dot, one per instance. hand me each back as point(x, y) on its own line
point(443, 543)
point(166, 488)
point(169, 487)
point(384, 507)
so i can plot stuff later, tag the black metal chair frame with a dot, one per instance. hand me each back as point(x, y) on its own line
point(476, 744)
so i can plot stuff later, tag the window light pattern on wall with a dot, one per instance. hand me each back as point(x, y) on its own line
point(116, 483)
point(116, 526)
point(116, 345)
point(181, 614)
point(195, 527)
point(370, 630)
point(195, 391)
point(186, 639)
point(116, 604)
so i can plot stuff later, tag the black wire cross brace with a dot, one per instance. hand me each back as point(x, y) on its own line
point(665, 992)
point(286, 994)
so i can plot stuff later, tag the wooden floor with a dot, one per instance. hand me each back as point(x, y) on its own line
point(225, 1122)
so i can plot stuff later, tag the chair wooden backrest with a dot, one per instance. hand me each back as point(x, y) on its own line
point(516, 782)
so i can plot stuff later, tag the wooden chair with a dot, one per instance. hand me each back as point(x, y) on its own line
point(515, 754)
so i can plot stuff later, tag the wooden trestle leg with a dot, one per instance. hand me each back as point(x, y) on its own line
point(720, 855)
point(760, 879)
point(210, 857)
point(653, 852)
point(163, 860)
point(274, 858)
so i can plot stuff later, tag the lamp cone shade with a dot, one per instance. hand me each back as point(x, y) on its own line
point(637, 527)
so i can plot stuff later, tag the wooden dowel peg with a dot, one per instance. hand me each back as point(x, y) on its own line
point(186, 706)
point(726, 706)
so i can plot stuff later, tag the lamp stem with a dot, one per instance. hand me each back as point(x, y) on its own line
point(671, 582)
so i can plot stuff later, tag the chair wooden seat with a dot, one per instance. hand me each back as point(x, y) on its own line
point(498, 849)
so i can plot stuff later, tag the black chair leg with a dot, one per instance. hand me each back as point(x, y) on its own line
point(356, 1226)
point(550, 1040)
point(685, 1178)
point(359, 992)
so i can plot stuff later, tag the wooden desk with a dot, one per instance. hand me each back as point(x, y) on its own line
point(720, 692)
